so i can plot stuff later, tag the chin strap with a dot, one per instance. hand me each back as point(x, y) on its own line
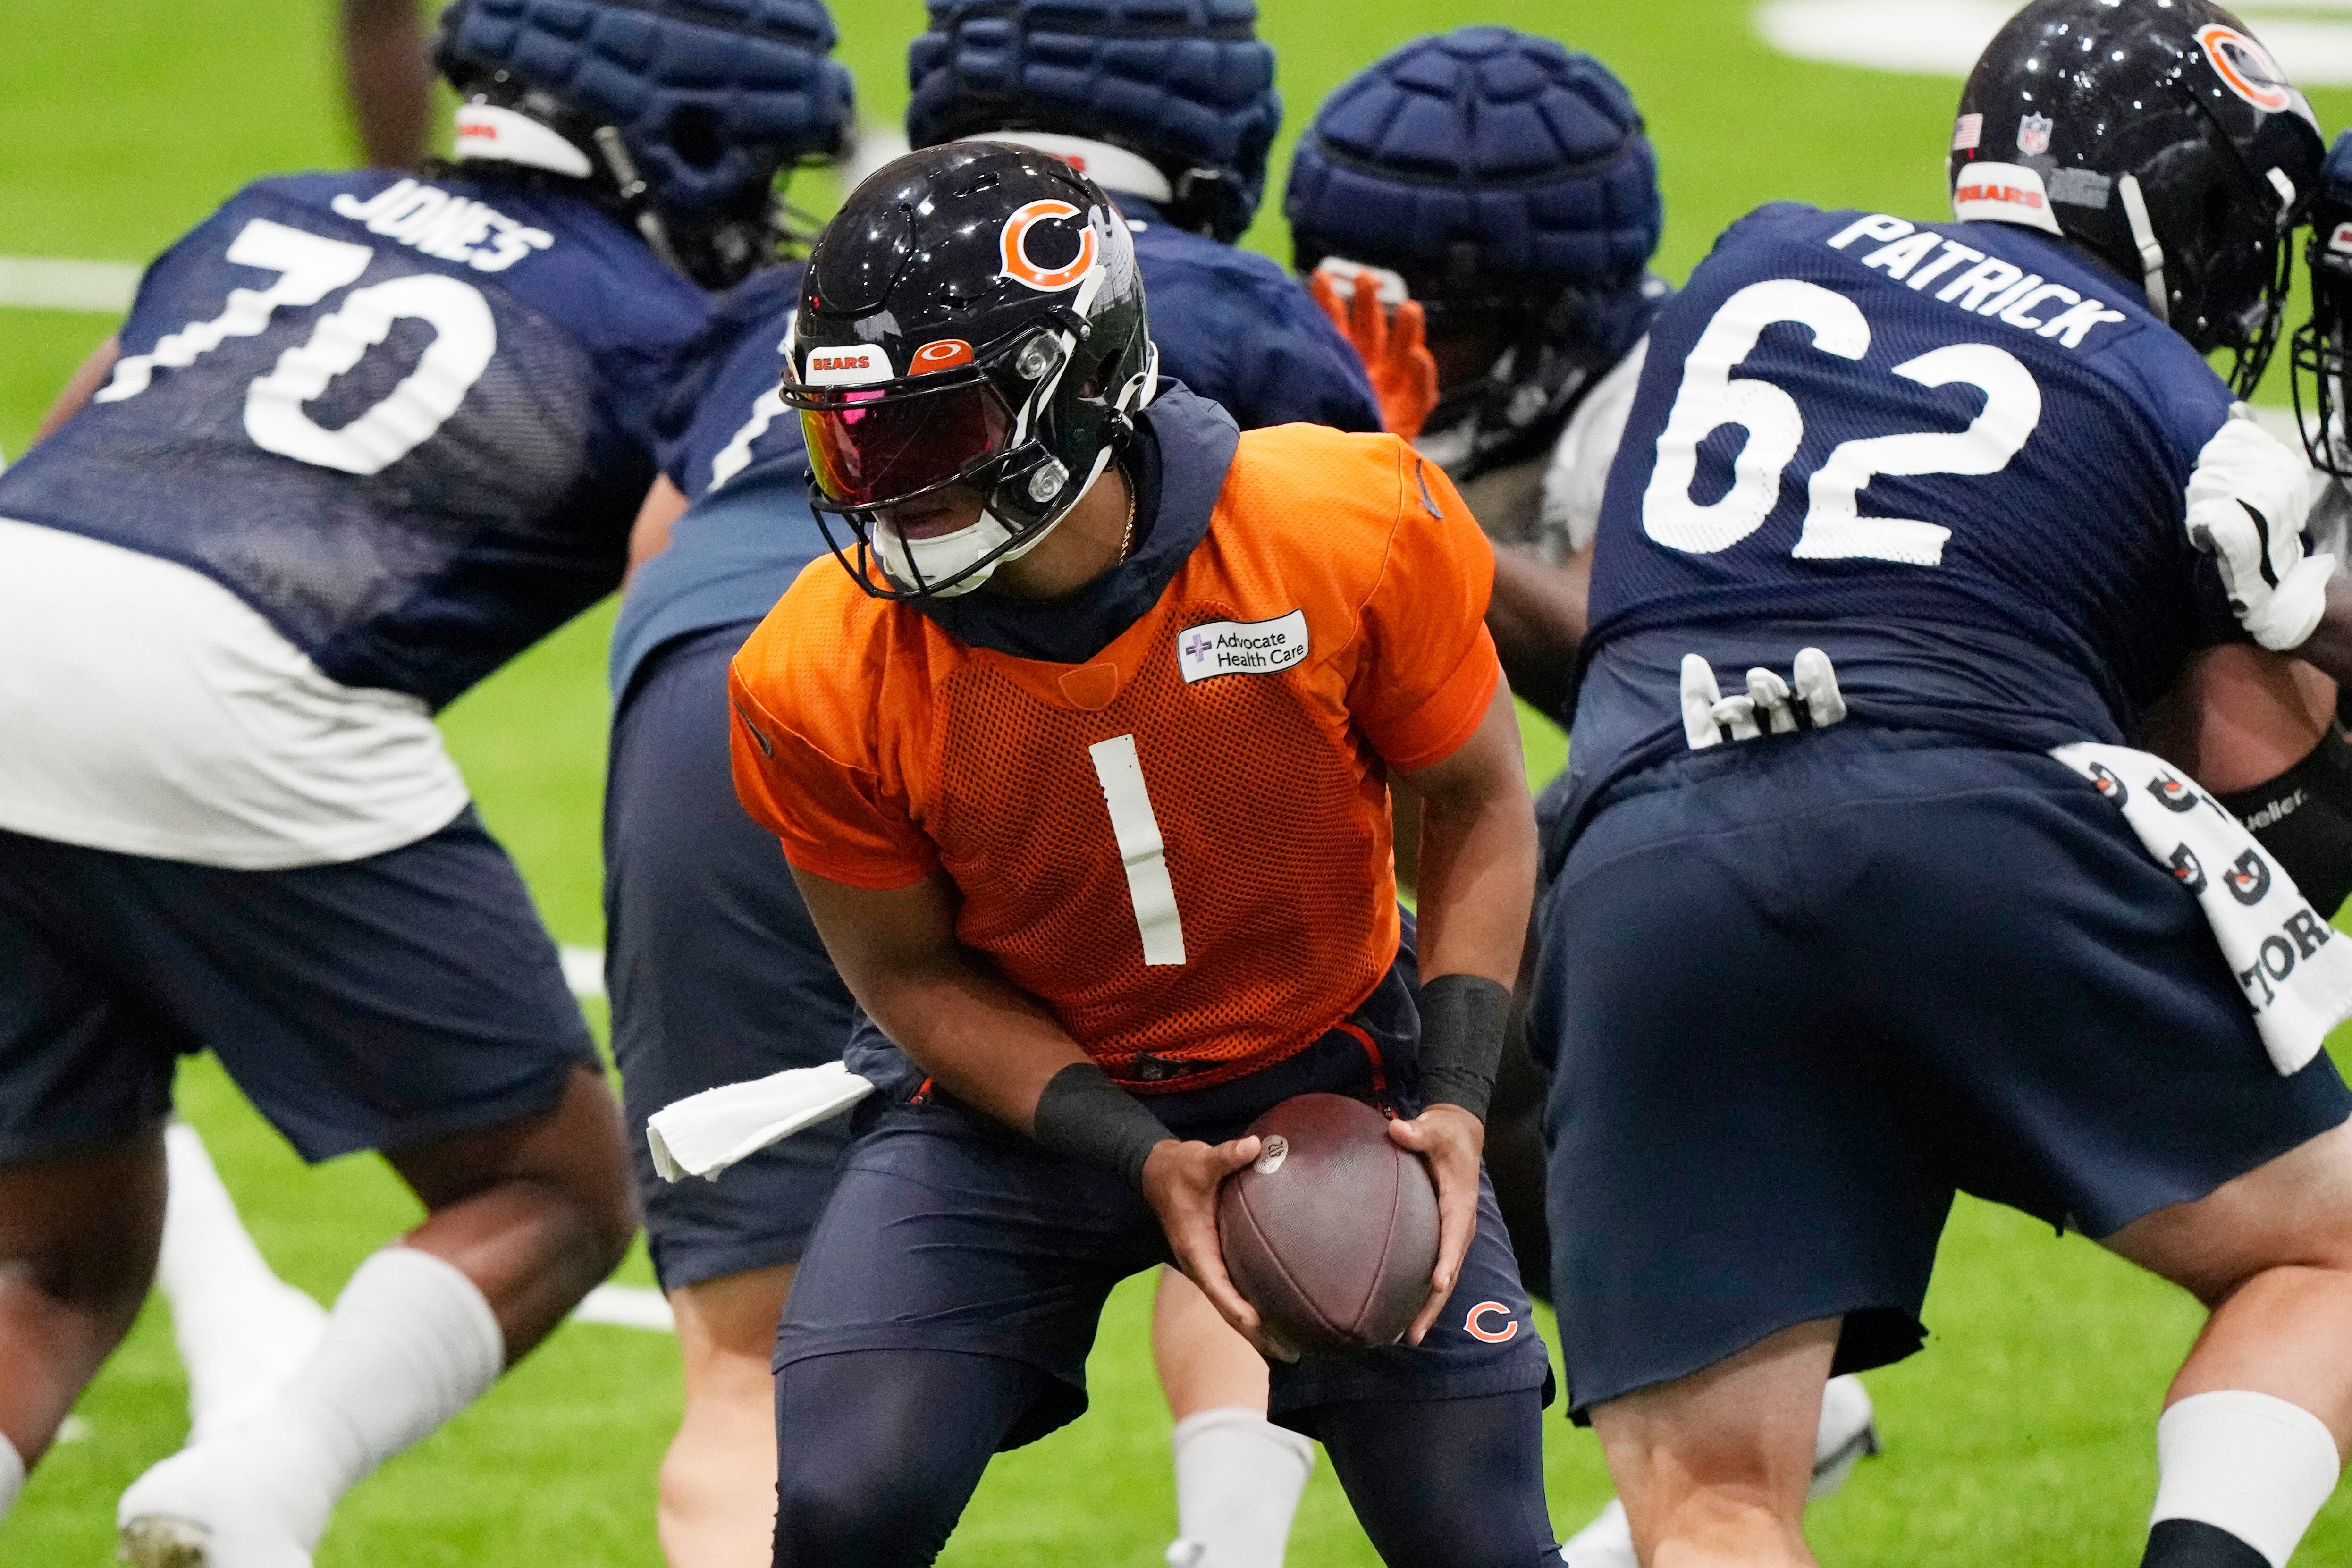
point(2151, 254)
point(632, 183)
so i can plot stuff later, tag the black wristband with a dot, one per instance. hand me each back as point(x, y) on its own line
point(1085, 1116)
point(1462, 1021)
point(2304, 817)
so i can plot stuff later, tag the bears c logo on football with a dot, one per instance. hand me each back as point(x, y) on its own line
point(1478, 1329)
point(1021, 268)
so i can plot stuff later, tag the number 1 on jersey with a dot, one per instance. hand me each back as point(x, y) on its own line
point(1140, 849)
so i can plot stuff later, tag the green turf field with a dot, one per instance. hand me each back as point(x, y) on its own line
point(2021, 1440)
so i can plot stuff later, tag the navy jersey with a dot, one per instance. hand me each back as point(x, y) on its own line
point(1954, 457)
point(1231, 326)
point(407, 422)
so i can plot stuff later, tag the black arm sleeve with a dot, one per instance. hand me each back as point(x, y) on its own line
point(2304, 817)
point(1084, 1115)
point(1462, 1020)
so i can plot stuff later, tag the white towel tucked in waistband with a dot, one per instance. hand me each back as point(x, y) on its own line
point(704, 1133)
point(2294, 972)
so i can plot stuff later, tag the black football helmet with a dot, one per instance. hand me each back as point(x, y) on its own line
point(972, 316)
point(2161, 137)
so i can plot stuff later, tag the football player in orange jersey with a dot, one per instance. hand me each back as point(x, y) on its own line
point(1079, 755)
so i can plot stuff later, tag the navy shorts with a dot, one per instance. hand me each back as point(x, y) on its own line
point(1798, 991)
point(380, 1003)
point(715, 971)
point(949, 1232)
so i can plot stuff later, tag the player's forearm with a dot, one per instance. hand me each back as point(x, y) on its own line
point(388, 72)
point(987, 1044)
point(649, 535)
point(2329, 648)
point(1477, 854)
point(1538, 620)
point(92, 373)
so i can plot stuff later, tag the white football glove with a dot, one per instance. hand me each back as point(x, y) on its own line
point(2247, 503)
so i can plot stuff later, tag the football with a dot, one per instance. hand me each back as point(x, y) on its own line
point(1331, 1234)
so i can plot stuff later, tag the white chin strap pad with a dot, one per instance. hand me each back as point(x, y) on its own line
point(917, 563)
point(948, 554)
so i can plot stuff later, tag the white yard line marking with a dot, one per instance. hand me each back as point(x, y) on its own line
point(628, 1307)
point(583, 971)
point(52, 283)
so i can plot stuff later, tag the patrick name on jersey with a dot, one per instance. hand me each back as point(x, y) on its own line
point(1998, 290)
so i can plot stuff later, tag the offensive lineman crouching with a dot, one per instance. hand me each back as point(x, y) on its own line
point(1012, 815)
point(1922, 955)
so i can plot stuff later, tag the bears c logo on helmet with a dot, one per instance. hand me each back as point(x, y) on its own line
point(1021, 268)
point(2246, 67)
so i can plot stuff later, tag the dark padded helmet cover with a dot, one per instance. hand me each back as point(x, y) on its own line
point(1184, 83)
point(711, 97)
point(1528, 152)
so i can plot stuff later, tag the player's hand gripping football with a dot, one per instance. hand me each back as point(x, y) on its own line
point(1396, 357)
point(1181, 1182)
point(2247, 503)
point(1453, 1141)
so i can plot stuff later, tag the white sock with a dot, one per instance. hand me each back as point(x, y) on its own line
point(2254, 1466)
point(242, 1331)
point(1238, 1479)
point(411, 1342)
point(12, 1476)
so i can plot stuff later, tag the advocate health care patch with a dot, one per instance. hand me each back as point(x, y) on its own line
point(1242, 647)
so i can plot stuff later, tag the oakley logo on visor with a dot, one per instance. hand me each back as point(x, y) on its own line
point(945, 355)
point(2246, 68)
point(1022, 268)
point(846, 367)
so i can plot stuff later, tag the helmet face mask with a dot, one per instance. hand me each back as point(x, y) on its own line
point(971, 328)
point(2161, 139)
point(2323, 347)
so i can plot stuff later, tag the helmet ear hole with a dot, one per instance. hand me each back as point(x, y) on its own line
point(696, 134)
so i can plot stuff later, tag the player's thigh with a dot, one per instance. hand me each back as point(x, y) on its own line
point(947, 1235)
point(715, 971)
point(2072, 1042)
point(2294, 1210)
point(82, 1228)
point(85, 1061)
point(387, 1003)
point(727, 1331)
point(1725, 1156)
point(877, 1451)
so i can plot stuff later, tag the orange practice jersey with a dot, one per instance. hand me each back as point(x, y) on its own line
point(1181, 846)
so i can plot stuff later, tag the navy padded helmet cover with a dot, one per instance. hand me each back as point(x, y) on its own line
point(1530, 150)
point(1185, 80)
point(759, 70)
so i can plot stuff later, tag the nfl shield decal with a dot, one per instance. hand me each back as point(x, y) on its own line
point(2033, 134)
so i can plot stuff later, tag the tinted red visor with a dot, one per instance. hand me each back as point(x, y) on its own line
point(873, 446)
